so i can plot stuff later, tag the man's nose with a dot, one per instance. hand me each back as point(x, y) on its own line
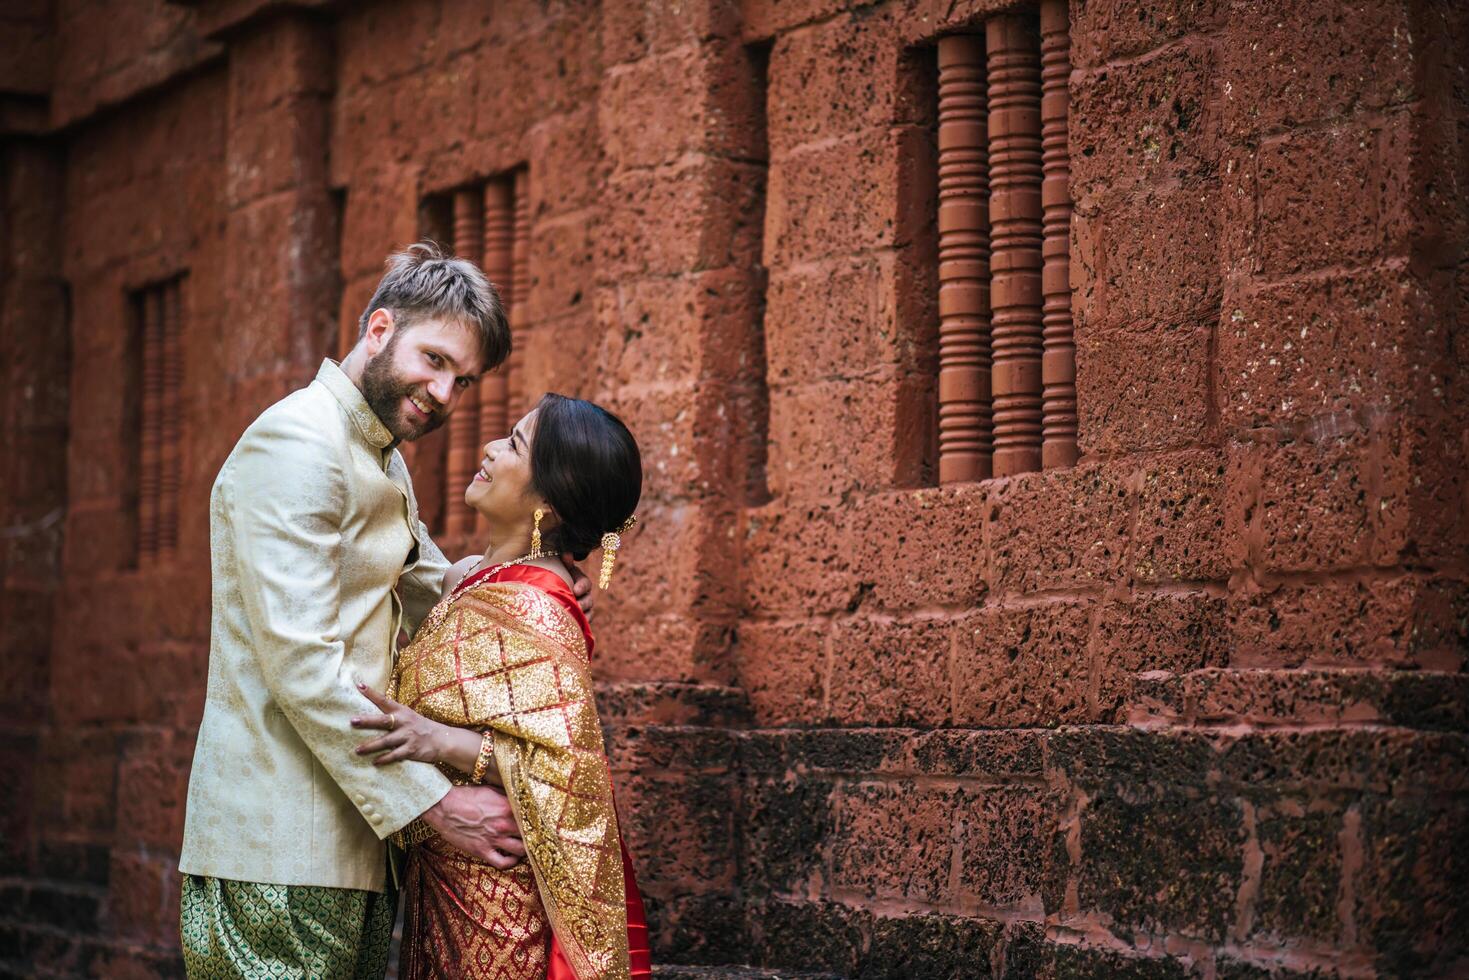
point(442, 388)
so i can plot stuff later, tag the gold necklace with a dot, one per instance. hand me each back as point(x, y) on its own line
point(533, 556)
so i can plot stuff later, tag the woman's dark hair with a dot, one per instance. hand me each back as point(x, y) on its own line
point(586, 465)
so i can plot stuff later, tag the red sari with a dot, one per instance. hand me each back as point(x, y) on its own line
point(474, 663)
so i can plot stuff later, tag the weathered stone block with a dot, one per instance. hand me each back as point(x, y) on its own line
point(1194, 854)
point(680, 829)
point(1147, 257)
point(783, 667)
point(1301, 871)
point(1175, 632)
point(867, 858)
point(1181, 519)
point(567, 145)
point(563, 257)
point(892, 672)
point(1337, 624)
point(807, 935)
point(1410, 907)
point(834, 320)
point(942, 947)
point(1106, 30)
point(796, 560)
point(1145, 122)
point(789, 828)
point(699, 214)
point(922, 548)
point(1004, 837)
point(1143, 390)
point(1060, 528)
point(835, 78)
point(1024, 667)
point(814, 426)
point(1285, 65)
point(712, 91)
point(863, 191)
point(1331, 183)
point(1314, 351)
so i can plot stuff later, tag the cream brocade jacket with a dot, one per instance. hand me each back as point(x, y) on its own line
point(317, 557)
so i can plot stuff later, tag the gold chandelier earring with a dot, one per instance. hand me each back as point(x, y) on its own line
point(535, 535)
point(611, 541)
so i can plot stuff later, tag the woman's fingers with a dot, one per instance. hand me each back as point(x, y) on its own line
point(388, 741)
point(384, 702)
point(384, 722)
point(396, 755)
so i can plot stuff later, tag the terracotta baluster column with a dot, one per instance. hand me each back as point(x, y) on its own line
point(965, 437)
point(152, 429)
point(516, 294)
point(170, 429)
point(1058, 361)
point(463, 453)
point(499, 231)
point(1014, 64)
point(499, 265)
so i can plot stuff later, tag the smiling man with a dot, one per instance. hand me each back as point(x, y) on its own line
point(318, 558)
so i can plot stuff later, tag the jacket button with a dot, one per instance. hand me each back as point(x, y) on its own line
point(376, 818)
point(359, 799)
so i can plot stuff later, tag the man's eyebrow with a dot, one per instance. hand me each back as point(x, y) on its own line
point(450, 359)
point(453, 364)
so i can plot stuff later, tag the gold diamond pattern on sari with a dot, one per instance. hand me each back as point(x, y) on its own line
point(508, 658)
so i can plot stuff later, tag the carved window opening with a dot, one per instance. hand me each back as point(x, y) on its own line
point(1007, 361)
point(157, 312)
point(488, 223)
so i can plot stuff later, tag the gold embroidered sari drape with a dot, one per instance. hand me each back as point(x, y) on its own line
point(505, 657)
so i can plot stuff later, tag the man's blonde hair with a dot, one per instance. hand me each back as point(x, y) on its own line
point(425, 281)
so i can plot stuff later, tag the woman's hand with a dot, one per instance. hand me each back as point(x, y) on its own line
point(581, 586)
point(412, 736)
point(409, 735)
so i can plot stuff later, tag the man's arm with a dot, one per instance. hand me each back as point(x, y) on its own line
point(286, 495)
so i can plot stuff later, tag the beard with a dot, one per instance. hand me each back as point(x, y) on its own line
point(385, 392)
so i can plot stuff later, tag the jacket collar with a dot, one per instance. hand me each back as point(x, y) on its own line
point(347, 394)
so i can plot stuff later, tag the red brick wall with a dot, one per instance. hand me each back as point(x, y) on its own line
point(1193, 707)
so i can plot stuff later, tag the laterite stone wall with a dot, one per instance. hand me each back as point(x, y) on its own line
point(1195, 706)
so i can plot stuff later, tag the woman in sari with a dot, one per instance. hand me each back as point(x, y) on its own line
point(496, 687)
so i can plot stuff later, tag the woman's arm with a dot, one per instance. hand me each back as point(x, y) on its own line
point(409, 735)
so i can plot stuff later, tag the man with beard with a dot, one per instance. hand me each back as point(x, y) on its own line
point(318, 560)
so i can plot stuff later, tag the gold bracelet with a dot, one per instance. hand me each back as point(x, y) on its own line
point(482, 761)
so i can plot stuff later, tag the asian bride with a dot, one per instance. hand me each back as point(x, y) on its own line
point(496, 687)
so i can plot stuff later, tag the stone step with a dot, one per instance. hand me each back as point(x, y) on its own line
point(672, 971)
point(668, 703)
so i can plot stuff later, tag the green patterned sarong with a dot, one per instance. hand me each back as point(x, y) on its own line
point(243, 929)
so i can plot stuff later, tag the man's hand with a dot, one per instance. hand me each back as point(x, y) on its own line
point(478, 821)
point(581, 586)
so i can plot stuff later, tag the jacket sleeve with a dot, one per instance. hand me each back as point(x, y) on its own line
point(287, 494)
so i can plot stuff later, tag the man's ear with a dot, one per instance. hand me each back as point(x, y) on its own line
point(380, 327)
